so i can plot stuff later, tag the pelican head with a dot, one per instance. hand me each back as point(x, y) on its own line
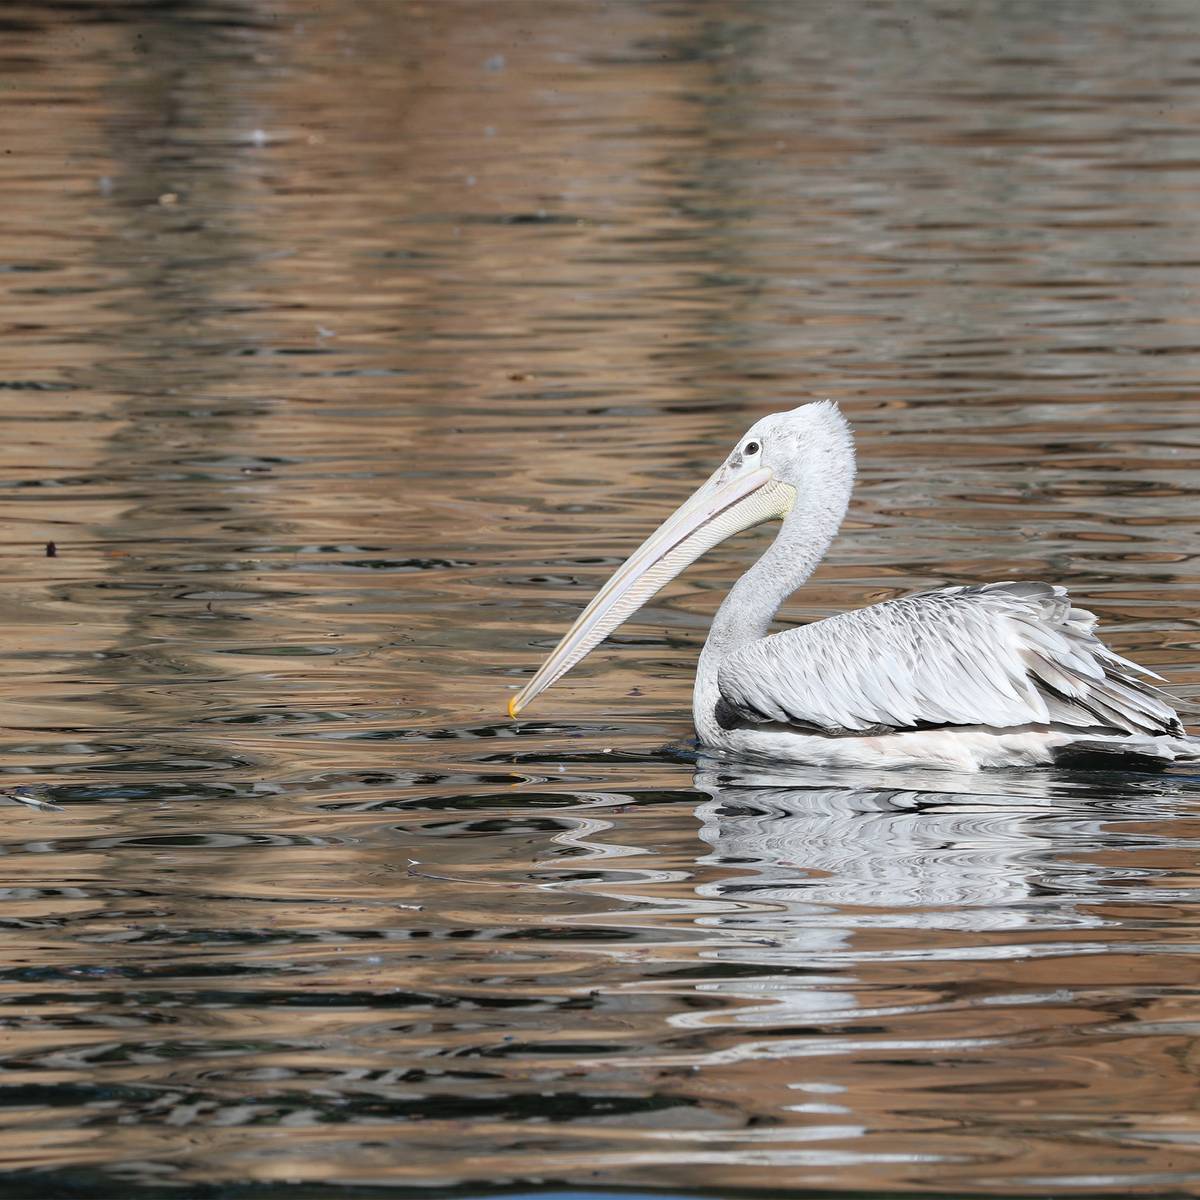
point(779, 457)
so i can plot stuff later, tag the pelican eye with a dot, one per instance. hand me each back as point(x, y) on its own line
point(751, 448)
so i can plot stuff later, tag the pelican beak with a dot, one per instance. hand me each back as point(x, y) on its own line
point(732, 500)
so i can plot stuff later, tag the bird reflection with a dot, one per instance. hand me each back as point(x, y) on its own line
point(822, 884)
point(924, 856)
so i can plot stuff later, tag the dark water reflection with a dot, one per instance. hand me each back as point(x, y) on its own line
point(348, 347)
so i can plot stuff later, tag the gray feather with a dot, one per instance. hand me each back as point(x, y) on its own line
point(1001, 655)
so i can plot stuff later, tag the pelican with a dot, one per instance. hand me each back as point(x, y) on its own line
point(998, 675)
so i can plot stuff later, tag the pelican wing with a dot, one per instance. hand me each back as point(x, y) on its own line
point(1002, 655)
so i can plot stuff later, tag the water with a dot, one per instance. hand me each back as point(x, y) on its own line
point(348, 346)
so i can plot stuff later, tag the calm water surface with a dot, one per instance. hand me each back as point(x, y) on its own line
point(347, 348)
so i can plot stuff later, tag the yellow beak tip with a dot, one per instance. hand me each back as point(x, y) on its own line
point(513, 707)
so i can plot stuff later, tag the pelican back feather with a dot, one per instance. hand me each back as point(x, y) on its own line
point(1000, 655)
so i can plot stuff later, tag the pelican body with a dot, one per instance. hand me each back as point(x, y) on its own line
point(1005, 674)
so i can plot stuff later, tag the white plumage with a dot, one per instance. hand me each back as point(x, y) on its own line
point(1005, 654)
point(1006, 674)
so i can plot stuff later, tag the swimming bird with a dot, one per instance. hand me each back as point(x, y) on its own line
point(1002, 674)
